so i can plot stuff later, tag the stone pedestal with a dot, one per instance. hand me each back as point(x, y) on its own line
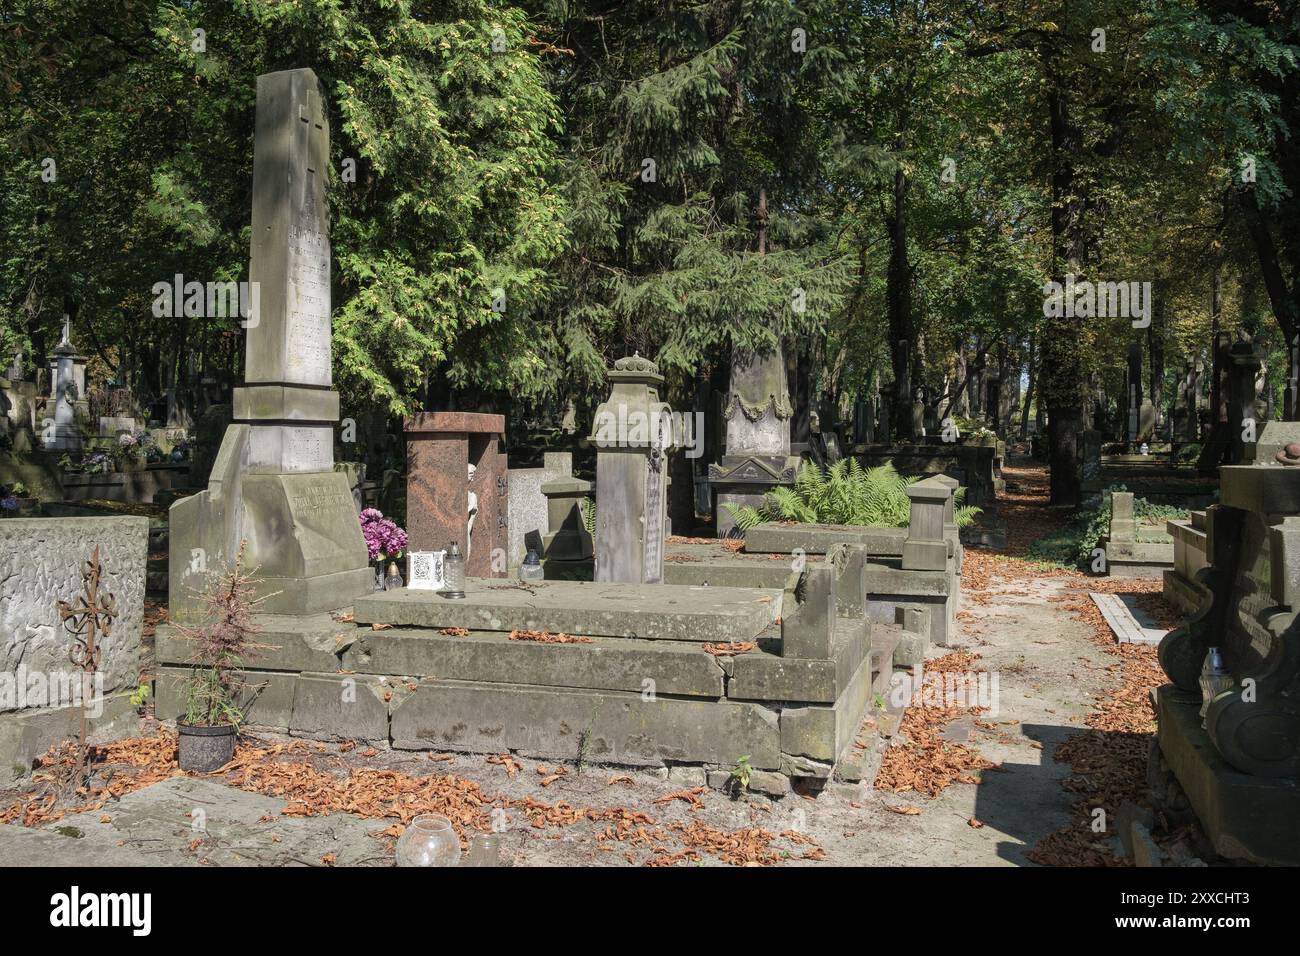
point(456, 487)
point(273, 484)
point(567, 548)
point(926, 548)
point(633, 436)
point(61, 432)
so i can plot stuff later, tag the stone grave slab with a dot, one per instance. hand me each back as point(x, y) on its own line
point(647, 611)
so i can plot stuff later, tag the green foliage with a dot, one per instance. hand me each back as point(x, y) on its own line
point(1073, 544)
point(140, 695)
point(453, 204)
point(742, 771)
point(844, 493)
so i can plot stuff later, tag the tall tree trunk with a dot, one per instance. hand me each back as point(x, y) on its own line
point(899, 297)
point(1156, 350)
point(1030, 382)
point(1062, 371)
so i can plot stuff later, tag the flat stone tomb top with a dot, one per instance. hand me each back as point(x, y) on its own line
point(649, 611)
point(777, 537)
point(456, 422)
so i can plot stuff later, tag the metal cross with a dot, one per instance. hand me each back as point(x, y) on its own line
point(91, 617)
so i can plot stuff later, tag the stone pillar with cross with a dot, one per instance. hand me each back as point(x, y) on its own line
point(273, 483)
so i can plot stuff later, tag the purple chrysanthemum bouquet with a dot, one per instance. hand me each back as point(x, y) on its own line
point(384, 539)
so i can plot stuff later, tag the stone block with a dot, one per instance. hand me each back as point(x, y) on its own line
point(26, 735)
point(808, 622)
point(314, 642)
point(266, 699)
point(602, 727)
point(41, 563)
point(342, 707)
point(1129, 814)
point(760, 676)
point(776, 538)
point(664, 667)
point(821, 733)
point(688, 777)
point(646, 611)
point(1146, 853)
point(770, 783)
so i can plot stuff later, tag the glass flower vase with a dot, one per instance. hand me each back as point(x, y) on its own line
point(428, 840)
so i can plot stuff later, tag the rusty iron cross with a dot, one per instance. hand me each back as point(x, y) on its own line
point(91, 617)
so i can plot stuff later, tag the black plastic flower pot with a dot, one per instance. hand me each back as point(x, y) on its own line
point(204, 749)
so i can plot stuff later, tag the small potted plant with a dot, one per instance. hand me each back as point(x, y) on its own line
point(385, 542)
point(222, 647)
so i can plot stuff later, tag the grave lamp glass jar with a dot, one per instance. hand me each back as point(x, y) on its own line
point(531, 569)
point(428, 840)
point(393, 579)
point(454, 570)
point(1215, 679)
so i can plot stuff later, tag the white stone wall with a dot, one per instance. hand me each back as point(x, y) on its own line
point(527, 503)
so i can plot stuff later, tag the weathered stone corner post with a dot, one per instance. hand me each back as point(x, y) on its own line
point(926, 547)
point(632, 432)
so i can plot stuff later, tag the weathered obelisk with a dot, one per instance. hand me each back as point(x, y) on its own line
point(758, 414)
point(273, 484)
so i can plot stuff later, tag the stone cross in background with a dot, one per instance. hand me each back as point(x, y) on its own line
point(62, 432)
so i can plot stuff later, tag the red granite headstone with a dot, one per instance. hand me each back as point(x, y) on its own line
point(440, 447)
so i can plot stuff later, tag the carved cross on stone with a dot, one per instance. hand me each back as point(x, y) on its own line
point(312, 117)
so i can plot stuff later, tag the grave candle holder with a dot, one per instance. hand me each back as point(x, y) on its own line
point(454, 568)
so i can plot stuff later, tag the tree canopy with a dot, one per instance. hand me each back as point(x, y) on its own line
point(522, 192)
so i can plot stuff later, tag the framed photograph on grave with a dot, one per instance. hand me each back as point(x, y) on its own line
point(425, 570)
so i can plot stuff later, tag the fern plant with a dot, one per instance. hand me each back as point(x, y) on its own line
point(844, 493)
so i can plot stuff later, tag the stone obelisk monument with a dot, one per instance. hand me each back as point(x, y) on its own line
point(273, 484)
point(758, 414)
